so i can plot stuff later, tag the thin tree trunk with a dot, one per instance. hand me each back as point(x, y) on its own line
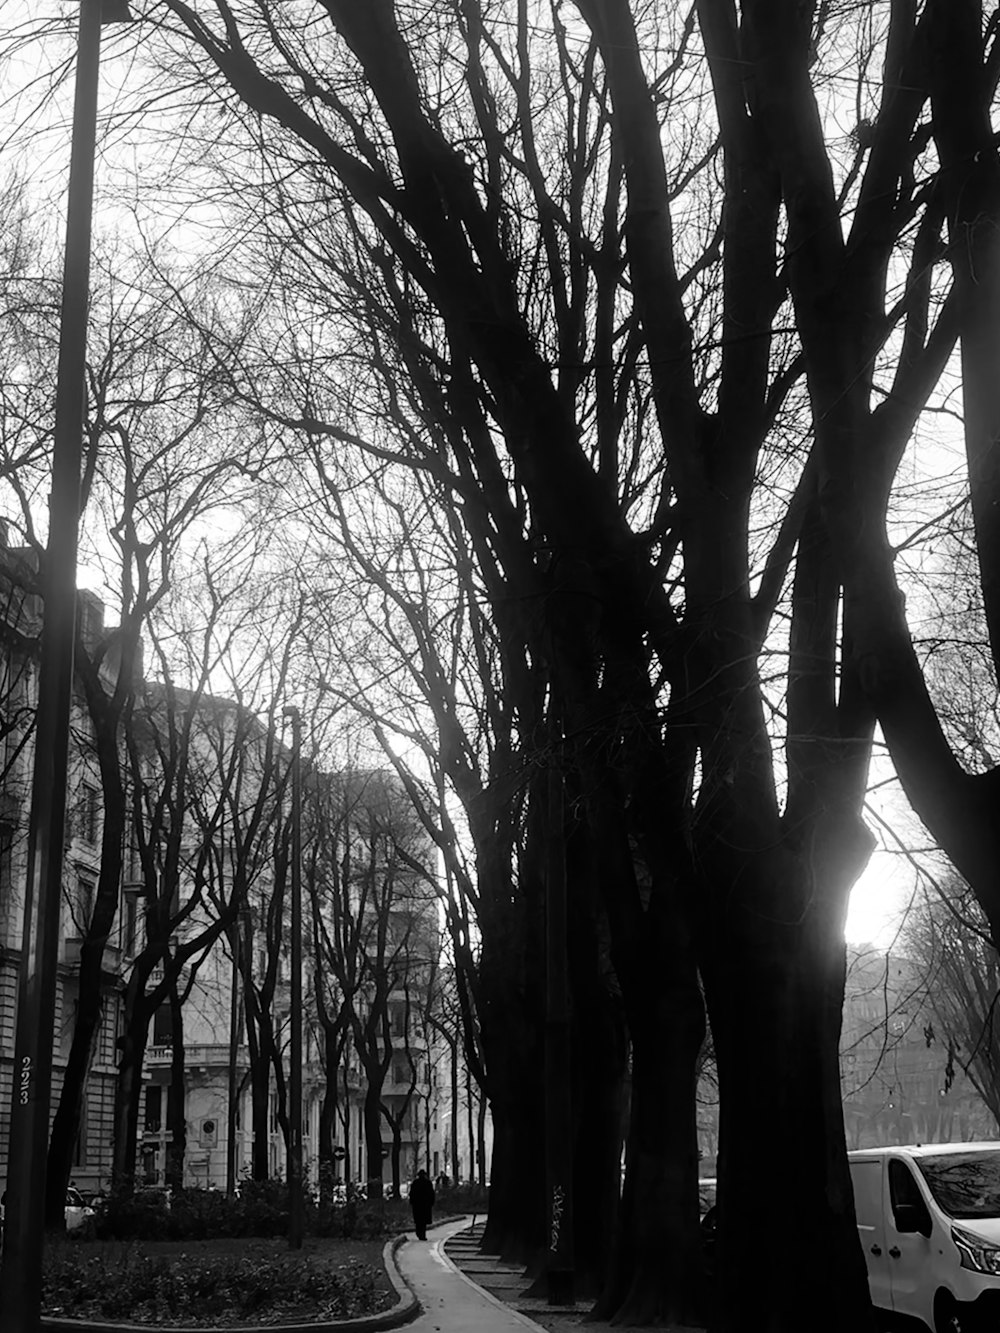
point(373, 1136)
point(453, 1053)
point(480, 1140)
point(90, 998)
point(176, 1098)
point(128, 1092)
point(232, 1094)
point(470, 1125)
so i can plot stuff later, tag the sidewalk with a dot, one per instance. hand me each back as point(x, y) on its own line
point(451, 1302)
point(509, 1284)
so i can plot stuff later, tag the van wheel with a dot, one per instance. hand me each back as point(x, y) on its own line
point(948, 1316)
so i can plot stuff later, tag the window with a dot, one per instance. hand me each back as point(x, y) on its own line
point(86, 891)
point(6, 871)
point(902, 1186)
point(163, 1026)
point(150, 1175)
point(80, 1143)
point(70, 1005)
point(131, 922)
point(909, 1211)
point(965, 1184)
point(154, 1108)
point(89, 813)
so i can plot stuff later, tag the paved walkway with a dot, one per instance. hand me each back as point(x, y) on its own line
point(451, 1302)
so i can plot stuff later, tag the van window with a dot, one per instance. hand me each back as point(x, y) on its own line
point(965, 1184)
point(905, 1192)
point(902, 1187)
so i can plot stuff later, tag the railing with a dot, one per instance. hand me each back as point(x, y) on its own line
point(214, 1055)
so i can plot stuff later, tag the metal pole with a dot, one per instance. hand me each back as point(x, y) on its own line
point(21, 1269)
point(295, 1200)
point(558, 1060)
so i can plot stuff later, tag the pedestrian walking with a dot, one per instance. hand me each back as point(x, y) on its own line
point(422, 1203)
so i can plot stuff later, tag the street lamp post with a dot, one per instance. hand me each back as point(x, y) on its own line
point(558, 1058)
point(295, 1200)
point(21, 1266)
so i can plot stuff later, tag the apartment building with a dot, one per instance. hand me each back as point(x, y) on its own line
point(20, 613)
point(221, 987)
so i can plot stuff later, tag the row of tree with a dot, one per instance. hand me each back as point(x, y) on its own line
point(607, 365)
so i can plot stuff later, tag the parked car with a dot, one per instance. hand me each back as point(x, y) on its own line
point(707, 1191)
point(76, 1212)
point(707, 1196)
point(929, 1222)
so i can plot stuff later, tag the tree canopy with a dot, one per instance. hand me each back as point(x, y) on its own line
point(673, 315)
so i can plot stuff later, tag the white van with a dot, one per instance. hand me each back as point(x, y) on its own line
point(929, 1222)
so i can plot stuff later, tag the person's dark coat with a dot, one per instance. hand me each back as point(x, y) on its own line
point(421, 1203)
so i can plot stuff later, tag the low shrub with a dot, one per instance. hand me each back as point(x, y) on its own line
point(260, 1209)
point(204, 1289)
point(362, 1219)
point(142, 1215)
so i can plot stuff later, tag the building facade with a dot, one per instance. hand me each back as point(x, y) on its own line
point(217, 985)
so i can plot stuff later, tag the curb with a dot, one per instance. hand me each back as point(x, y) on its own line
point(407, 1308)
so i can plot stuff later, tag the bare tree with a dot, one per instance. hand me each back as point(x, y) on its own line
point(669, 331)
point(375, 930)
point(948, 937)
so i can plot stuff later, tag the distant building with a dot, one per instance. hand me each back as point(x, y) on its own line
point(20, 622)
point(897, 1082)
point(417, 1090)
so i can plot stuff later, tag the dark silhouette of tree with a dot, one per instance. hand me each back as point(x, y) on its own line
point(660, 331)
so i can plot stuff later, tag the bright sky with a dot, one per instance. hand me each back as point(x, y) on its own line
point(878, 901)
point(883, 890)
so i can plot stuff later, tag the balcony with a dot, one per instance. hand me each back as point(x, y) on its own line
point(200, 1057)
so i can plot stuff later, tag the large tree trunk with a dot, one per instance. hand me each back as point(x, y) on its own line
point(512, 1037)
point(600, 1064)
point(775, 990)
point(515, 1225)
point(657, 1271)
